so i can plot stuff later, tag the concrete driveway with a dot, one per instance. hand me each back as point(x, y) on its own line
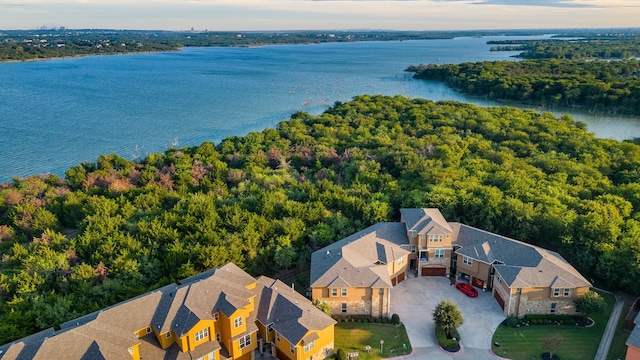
point(415, 299)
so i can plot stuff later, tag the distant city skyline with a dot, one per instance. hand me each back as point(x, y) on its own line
point(238, 15)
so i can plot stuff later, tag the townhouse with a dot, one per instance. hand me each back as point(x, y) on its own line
point(220, 314)
point(351, 275)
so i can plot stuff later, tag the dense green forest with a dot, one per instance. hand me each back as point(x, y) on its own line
point(625, 46)
point(604, 86)
point(115, 228)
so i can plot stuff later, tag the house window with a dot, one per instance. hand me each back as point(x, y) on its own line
point(148, 330)
point(215, 316)
point(270, 327)
point(202, 334)
point(344, 308)
point(413, 249)
point(334, 292)
point(168, 334)
point(237, 322)
point(414, 233)
point(467, 260)
point(499, 279)
point(439, 253)
point(423, 236)
point(218, 337)
point(556, 292)
point(343, 292)
point(566, 292)
point(131, 351)
point(381, 291)
point(401, 261)
point(292, 347)
point(245, 341)
point(277, 337)
point(553, 308)
point(308, 347)
point(435, 238)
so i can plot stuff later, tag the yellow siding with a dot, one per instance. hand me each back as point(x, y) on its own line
point(326, 339)
point(136, 351)
point(251, 305)
point(283, 347)
point(142, 332)
point(236, 352)
point(188, 341)
point(164, 341)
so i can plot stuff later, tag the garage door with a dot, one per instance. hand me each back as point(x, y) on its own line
point(479, 283)
point(434, 271)
point(401, 277)
point(498, 298)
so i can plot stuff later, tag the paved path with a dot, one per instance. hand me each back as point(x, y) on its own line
point(603, 349)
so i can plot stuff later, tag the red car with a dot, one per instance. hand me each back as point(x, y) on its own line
point(467, 289)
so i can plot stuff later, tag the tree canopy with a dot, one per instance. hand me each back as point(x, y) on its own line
point(113, 228)
point(447, 316)
point(596, 85)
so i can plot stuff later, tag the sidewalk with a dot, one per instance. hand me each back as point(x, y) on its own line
point(603, 349)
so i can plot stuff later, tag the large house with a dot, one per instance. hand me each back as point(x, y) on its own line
point(223, 313)
point(354, 276)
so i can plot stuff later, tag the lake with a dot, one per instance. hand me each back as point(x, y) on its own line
point(59, 113)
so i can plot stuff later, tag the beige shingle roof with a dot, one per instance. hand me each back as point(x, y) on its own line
point(109, 333)
point(359, 260)
point(425, 221)
point(290, 313)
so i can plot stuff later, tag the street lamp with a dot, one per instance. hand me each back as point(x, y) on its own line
point(381, 344)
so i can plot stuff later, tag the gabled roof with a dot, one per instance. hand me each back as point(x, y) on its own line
point(290, 313)
point(425, 221)
point(359, 260)
point(518, 263)
point(109, 333)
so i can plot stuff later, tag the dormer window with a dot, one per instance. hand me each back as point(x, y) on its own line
point(237, 322)
point(201, 335)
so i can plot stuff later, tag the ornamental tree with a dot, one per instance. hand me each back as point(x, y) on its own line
point(447, 316)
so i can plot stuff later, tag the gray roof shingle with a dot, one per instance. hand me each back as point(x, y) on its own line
point(425, 221)
point(519, 264)
point(358, 260)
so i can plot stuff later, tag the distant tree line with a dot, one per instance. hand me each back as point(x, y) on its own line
point(113, 228)
point(619, 48)
point(608, 86)
point(23, 45)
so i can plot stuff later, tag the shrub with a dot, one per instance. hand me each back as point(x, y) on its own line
point(511, 321)
point(341, 354)
point(441, 336)
point(395, 319)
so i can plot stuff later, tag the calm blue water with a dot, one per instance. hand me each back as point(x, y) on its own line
point(59, 113)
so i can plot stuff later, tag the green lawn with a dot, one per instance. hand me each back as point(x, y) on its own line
point(354, 336)
point(579, 343)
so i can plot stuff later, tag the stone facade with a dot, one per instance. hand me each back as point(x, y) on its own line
point(354, 307)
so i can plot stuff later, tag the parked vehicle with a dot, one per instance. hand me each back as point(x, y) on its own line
point(467, 289)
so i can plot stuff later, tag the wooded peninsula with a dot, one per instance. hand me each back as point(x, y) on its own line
point(115, 228)
point(599, 75)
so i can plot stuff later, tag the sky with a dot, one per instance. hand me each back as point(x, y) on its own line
point(238, 15)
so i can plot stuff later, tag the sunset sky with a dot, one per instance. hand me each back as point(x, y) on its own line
point(318, 14)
